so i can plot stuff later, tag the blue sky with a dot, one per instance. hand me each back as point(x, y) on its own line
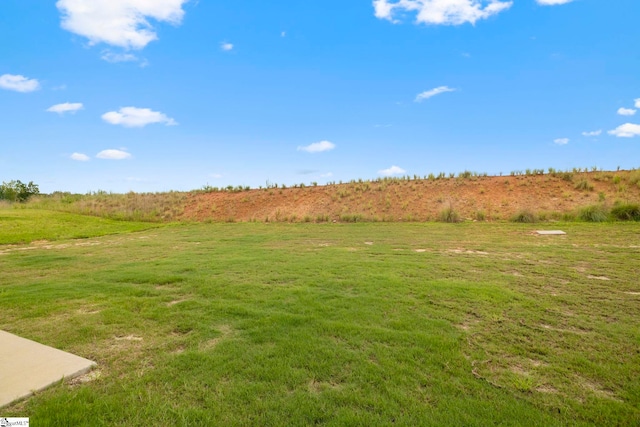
point(140, 95)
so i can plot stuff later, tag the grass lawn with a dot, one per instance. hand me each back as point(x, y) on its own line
point(28, 225)
point(357, 324)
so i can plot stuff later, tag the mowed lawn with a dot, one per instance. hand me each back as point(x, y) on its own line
point(335, 324)
point(28, 225)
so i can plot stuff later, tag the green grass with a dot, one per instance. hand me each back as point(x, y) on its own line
point(28, 225)
point(336, 324)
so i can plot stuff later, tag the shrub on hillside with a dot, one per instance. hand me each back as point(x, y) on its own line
point(594, 213)
point(584, 185)
point(525, 216)
point(626, 212)
point(449, 215)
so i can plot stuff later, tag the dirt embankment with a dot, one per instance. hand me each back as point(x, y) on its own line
point(481, 198)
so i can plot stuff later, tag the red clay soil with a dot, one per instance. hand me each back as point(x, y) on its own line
point(474, 198)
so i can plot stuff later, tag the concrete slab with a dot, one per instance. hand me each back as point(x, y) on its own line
point(27, 366)
point(550, 233)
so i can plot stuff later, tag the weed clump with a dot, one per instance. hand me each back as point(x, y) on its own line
point(449, 215)
point(351, 218)
point(525, 216)
point(626, 212)
point(594, 213)
point(584, 185)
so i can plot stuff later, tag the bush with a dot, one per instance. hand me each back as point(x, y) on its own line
point(449, 215)
point(584, 185)
point(626, 212)
point(593, 213)
point(525, 216)
point(17, 191)
point(567, 176)
point(351, 218)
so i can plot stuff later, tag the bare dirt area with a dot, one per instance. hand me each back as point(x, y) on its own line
point(481, 198)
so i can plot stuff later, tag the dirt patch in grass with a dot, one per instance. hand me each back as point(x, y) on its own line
point(605, 278)
point(129, 338)
point(177, 301)
point(91, 376)
point(466, 251)
point(316, 387)
point(599, 391)
point(225, 332)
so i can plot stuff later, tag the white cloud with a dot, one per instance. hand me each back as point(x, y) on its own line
point(226, 46)
point(283, 34)
point(326, 175)
point(626, 111)
point(123, 23)
point(593, 133)
point(637, 103)
point(441, 12)
point(215, 175)
point(109, 56)
point(65, 108)
point(552, 2)
point(627, 130)
point(137, 117)
point(80, 157)
point(433, 92)
point(113, 155)
point(18, 83)
point(318, 147)
point(561, 141)
point(115, 58)
point(393, 170)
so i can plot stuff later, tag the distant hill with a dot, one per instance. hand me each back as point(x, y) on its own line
point(555, 195)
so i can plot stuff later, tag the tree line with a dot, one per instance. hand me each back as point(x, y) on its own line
point(18, 191)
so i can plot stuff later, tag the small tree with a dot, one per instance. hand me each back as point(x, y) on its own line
point(17, 191)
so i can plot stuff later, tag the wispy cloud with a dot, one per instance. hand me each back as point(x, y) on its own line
point(115, 58)
point(433, 92)
point(441, 12)
point(561, 141)
point(109, 56)
point(66, 108)
point(318, 147)
point(552, 2)
point(215, 175)
point(637, 101)
point(137, 117)
point(326, 175)
point(393, 170)
point(593, 133)
point(18, 83)
point(113, 154)
point(627, 130)
point(123, 23)
point(227, 47)
point(307, 171)
point(80, 157)
point(626, 111)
